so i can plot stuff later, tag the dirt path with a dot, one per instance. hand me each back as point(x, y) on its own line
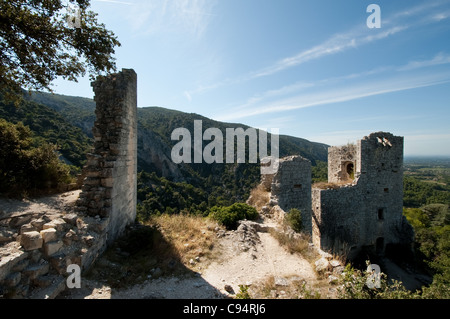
point(52, 204)
point(246, 257)
point(243, 261)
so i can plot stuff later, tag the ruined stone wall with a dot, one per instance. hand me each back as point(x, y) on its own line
point(382, 173)
point(341, 162)
point(109, 189)
point(291, 187)
point(367, 212)
point(37, 248)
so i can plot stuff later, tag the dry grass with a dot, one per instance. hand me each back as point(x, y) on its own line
point(326, 185)
point(296, 244)
point(259, 197)
point(165, 243)
point(190, 237)
point(294, 289)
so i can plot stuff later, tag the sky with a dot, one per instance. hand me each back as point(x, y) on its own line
point(312, 69)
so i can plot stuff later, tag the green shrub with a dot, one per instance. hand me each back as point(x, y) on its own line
point(354, 285)
point(229, 216)
point(294, 219)
point(243, 292)
point(25, 166)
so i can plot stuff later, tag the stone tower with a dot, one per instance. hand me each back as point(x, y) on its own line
point(367, 209)
point(291, 187)
point(109, 188)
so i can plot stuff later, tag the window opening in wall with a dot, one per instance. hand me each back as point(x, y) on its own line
point(298, 186)
point(386, 190)
point(381, 212)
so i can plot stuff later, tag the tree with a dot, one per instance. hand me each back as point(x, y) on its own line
point(24, 166)
point(40, 41)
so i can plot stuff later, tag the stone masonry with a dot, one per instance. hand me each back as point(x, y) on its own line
point(109, 189)
point(37, 247)
point(361, 207)
point(291, 187)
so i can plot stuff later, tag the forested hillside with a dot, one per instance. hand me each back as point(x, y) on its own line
point(50, 126)
point(67, 122)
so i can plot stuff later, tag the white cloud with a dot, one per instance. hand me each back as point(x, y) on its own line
point(334, 94)
point(188, 96)
point(171, 16)
point(440, 58)
point(339, 43)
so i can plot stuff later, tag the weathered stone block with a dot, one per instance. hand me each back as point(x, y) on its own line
point(38, 223)
point(21, 265)
point(37, 270)
point(57, 224)
point(49, 235)
point(18, 221)
point(31, 240)
point(108, 182)
point(92, 181)
point(52, 248)
point(322, 265)
point(59, 262)
point(9, 261)
point(27, 228)
point(70, 219)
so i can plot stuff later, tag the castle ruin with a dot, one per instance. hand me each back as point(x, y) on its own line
point(110, 184)
point(361, 206)
point(36, 248)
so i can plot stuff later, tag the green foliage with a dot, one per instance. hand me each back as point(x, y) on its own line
point(294, 219)
point(50, 127)
point(230, 215)
point(24, 166)
point(76, 111)
point(38, 45)
point(319, 172)
point(354, 286)
point(157, 195)
point(417, 193)
point(431, 225)
point(416, 217)
point(243, 292)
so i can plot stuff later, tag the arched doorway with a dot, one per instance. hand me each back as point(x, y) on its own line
point(350, 170)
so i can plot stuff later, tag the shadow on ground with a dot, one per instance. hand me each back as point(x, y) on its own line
point(142, 265)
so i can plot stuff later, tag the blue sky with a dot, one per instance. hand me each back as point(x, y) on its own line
point(312, 69)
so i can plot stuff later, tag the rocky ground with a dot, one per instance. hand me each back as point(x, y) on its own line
point(249, 256)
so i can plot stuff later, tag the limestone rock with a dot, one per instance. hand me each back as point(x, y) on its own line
point(52, 248)
point(26, 228)
point(335, 263)
point(322, 264)
point(71, 219)
point(48, 235)
point(57, 224)
point(31, 240)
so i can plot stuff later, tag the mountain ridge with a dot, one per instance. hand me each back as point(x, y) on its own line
point(217, 183)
